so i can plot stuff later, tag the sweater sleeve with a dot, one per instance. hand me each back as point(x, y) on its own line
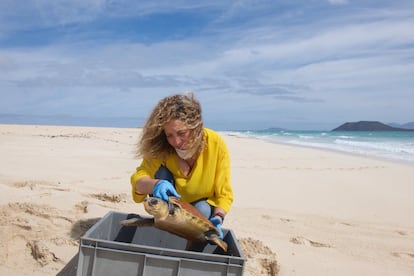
point(223, 192)
point(147, 168)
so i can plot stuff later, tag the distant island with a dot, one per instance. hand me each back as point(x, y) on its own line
point(368, 126)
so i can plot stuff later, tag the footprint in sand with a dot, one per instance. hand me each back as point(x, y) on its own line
point(38, 184)
point(36, 210)
point(267, 217)
point(402, 233)
point(29, 231)
point(260, 259)
point(404, 255)
point(29, 216)
point(110, 197)
point(82, 207)
point(23, 184)
point(22, 223)
point(305, 241)
point(41, 253)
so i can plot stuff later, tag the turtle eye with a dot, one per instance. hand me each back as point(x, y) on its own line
point(171, 211)
point(153, 202)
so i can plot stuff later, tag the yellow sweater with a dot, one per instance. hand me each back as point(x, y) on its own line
point(209, 177)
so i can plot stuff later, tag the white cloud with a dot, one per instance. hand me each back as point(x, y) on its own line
point(338, 2)
point(306, 67)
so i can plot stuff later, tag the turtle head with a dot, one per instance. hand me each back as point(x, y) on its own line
point(156, 207)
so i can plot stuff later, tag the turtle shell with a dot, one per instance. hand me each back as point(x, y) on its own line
point(183, 220)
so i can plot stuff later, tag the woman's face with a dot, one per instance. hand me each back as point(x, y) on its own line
point(177, 134)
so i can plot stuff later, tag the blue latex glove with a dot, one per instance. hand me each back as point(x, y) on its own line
point(217, 221)
point(163, 189)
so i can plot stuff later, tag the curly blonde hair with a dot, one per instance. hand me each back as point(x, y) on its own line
point(186, 108)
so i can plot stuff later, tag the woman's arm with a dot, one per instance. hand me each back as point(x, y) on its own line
point(145, 185)
point(142, 183)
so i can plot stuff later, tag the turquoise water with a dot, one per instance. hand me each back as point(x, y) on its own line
point(394, 146)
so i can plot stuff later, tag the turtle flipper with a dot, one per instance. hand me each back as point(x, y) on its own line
point(137, 221)
point(212, 237)
point(219, 242)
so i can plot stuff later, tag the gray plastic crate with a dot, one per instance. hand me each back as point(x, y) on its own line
point(108, 248)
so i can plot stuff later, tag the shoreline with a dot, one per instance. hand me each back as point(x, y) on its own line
point(356, 154)
point(352, 153)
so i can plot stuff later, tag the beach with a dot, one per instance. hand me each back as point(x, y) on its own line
point(297, 210)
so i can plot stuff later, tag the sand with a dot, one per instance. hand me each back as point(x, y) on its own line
point(297, 211)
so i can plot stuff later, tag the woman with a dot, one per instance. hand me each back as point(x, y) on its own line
point(182, 158)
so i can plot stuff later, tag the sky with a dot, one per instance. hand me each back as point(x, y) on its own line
point(299, 65)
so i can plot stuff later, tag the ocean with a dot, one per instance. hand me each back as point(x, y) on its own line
point(394, 145)
point(390, 145)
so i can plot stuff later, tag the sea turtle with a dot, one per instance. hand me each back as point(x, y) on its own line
point(180, 218)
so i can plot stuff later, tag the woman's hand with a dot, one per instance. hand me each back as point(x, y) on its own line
point(217, 221)
point(163, 189)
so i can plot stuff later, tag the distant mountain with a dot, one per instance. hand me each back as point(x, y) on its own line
point(368, 126)
point(409, 125)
